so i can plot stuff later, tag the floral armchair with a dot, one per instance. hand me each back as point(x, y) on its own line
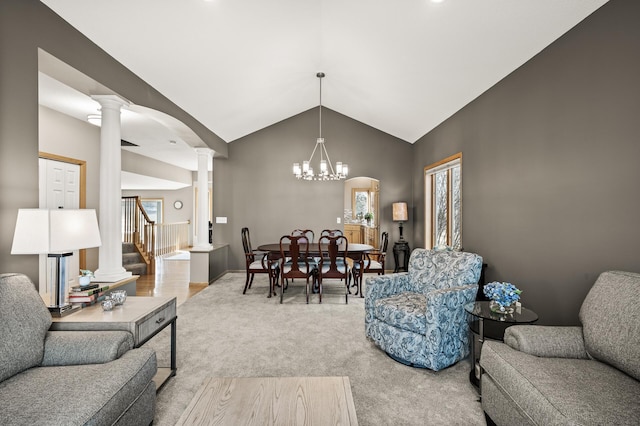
point(418, 316)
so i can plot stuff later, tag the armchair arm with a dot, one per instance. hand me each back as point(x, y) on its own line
point(382, 286)
point(375, 254)
point(85, 347)
point(547, 341)
point(452, 298)
point(445, 307)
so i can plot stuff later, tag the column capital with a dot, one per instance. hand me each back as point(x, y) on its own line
point(204, 151)
point(110, 101)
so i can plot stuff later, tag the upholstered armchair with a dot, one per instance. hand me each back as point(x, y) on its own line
point(418, 316)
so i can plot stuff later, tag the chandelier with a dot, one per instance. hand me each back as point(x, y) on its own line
point(325, 170)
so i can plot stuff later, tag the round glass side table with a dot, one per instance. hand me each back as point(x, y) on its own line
point(494, 330)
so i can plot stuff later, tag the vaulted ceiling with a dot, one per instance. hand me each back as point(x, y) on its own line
point(401, 66)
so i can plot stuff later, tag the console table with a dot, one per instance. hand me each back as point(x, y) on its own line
point(401, 247)
point(143, 317)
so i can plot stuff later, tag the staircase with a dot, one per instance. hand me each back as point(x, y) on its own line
point(132, 260)
point(138, 238)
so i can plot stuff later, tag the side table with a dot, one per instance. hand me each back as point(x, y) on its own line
point(401, 247)
point(143, 317)
point(480, 312)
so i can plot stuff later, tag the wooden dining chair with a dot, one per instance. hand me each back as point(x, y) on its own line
point(333, 261)
point(372, 262)
point(257, 262)
point(308, 236)
point(295, 262)
point(307, 233)
point(331, 232)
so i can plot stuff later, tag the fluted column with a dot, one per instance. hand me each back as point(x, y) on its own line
point(202, 235)
point(110, 255)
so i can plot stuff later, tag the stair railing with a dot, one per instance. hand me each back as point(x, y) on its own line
point(171, 237)
point(138, 229)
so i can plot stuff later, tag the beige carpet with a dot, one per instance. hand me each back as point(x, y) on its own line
point(222, 333)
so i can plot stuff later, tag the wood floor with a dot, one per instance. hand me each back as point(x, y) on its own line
point(272, 401)
point(171, 278)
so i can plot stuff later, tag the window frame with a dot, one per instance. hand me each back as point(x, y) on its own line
point(159, 207)
point(430, 171)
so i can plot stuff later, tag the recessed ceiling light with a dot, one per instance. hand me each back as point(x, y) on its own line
point(437, 1)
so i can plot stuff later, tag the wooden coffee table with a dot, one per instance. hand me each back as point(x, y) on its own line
point(272, 401)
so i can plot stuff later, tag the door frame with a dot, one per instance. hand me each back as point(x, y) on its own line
point(82, 202)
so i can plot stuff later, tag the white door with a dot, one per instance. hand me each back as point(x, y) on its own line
point(59, 188)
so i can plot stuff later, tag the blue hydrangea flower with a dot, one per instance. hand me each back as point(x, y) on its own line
point(504, 294)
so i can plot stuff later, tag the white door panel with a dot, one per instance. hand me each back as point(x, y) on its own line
point(59, 188)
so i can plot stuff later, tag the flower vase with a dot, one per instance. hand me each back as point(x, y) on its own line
point(498, 308)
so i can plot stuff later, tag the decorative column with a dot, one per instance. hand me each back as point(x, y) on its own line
point(205, 156)
point(110, 255)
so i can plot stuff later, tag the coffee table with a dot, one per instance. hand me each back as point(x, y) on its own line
point(272, 401)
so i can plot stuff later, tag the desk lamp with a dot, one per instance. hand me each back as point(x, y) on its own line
point(56, 233)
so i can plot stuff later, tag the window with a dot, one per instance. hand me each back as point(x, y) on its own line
point(153, 208)
point(443, 202)
point(365, 200)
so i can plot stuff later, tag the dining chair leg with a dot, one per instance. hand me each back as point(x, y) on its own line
point(306, 290)
point(276, 274)
point(281, 289)
point(272, 285)
point(346, 293)
point(246, 284)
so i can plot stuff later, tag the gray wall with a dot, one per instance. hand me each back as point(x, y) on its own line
point(26, 25)
point(550, 165)
point(255, 186)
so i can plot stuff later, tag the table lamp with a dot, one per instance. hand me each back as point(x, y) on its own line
point(56, 233)
point(400, 214)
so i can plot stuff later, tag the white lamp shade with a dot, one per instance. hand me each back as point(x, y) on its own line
point(400, 212)
point(40, 231)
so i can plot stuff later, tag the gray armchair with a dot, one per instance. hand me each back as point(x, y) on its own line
point(588, 375)
point(67, 377)
point(418, 316)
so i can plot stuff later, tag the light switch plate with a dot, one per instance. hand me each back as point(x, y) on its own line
point(221, 219)
point(337, 220)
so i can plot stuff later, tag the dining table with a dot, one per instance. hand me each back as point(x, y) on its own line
point(355, 252)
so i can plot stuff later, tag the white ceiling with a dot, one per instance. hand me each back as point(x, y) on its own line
point(154, 139)
point(401, 66)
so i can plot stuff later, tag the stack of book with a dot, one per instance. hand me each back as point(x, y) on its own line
point(87, 295)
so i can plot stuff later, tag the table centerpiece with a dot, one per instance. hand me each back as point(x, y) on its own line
point(503, 296)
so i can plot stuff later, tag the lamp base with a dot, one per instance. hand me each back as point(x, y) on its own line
point(63, 310)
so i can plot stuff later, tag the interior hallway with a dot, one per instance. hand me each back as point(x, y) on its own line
point(171, 278)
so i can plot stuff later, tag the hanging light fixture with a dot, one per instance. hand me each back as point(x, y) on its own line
point(325, 169)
